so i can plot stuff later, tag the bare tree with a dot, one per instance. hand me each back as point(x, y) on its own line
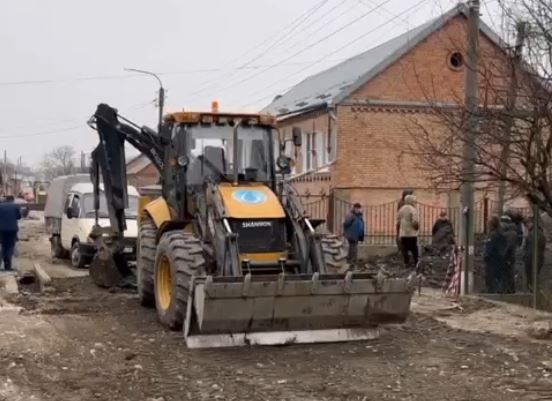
point(60, 161)
point(514, 142)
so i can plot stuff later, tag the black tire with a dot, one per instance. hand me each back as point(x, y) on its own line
point(145, 260)
point(335, 254)
point(56, 249)
point(184, 254)
point(77, 260)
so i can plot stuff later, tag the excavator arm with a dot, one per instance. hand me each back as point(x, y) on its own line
point(109, 165)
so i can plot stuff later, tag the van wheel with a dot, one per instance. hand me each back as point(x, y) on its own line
point(56, 249)
point(77, 260)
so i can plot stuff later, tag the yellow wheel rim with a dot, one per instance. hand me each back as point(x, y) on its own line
point(164, 283)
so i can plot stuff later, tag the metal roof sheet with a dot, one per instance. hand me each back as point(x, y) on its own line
point(334, 84)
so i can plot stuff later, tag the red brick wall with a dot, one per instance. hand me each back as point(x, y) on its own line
point(424, 73)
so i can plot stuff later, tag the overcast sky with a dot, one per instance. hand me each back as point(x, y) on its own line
point(59, 58)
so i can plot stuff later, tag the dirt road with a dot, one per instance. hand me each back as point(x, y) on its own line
point(78, 342)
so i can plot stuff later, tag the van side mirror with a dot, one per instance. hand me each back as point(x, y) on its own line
point(69, 212)
point(296, 135)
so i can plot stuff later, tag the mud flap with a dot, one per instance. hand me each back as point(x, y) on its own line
point(230, 311)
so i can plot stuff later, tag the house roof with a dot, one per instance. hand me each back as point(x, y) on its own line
point(336, 83)
point(137, 164)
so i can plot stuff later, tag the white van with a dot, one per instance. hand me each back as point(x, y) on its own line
point(69, 217)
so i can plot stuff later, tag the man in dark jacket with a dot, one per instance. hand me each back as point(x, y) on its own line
point(494, 256)
point(442, 234)
point(9, 214)
point(353, 230)
point(507, 274)
point(528, 252)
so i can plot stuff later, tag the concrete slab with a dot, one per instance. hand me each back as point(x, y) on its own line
point(8, 283)
point(43, 277)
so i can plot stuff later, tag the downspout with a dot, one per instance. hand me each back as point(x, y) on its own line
point(332, 122)
point(332, 144)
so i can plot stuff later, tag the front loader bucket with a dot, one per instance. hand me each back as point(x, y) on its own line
point(286, 309)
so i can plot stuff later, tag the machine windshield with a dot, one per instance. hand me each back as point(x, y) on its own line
point(88, 206)
point(211, 153)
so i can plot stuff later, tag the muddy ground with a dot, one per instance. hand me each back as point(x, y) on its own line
point(78, 342)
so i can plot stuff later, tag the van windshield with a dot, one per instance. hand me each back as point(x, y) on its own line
point(88, 206)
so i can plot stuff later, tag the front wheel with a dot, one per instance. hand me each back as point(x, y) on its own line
point(78, 261)
point(179, 256)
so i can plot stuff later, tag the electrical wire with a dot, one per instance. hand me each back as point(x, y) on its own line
point(322, 26)
point(131, 76)
point(41, 133)
point(309, 46)
point(281, 39)
point(341, 48)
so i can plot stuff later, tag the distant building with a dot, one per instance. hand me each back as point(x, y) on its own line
point(141, 172)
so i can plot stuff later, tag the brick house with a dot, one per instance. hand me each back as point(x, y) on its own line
point(141, 172)
point(356, 117)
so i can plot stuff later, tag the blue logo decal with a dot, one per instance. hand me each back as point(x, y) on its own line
point(249, 196)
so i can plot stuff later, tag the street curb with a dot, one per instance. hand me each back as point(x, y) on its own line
point(43, 277)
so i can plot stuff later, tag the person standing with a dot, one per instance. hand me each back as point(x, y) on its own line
point(507, 273)
point(9, 214)
point(442, 234)
point(408, 222)
point(494, 256)
point(528, 251)
point(353, 229)
point(405, 193)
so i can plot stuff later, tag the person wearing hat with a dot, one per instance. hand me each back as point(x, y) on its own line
point(405, 193)
point(409, 224)
point(353, 230)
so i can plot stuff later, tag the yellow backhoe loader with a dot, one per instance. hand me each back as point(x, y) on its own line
point(226, 251)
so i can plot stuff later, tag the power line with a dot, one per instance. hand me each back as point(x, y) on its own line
point(41, 133)
point(288, 26)
point(309, 46)
point(341, 48)
point(363, 2)
point(130, 76)
point(324, 25)
point(291, 28)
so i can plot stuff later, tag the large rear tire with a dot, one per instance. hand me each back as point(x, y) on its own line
point(179, 256)
point(335, 254)
point(145, 260)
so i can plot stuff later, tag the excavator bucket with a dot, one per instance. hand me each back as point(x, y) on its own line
point(268, 310)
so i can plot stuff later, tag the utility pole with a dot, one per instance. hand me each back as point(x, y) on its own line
point(5, 172)
point(82, 162)
point(161, 96)
point(468, 163)
point(509, 111)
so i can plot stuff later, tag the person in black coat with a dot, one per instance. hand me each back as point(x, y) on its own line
point(9, 214)
point(507, 273)
point(442, 234)
point(494, 256)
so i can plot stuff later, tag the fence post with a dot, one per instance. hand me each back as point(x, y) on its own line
point(485, 214)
